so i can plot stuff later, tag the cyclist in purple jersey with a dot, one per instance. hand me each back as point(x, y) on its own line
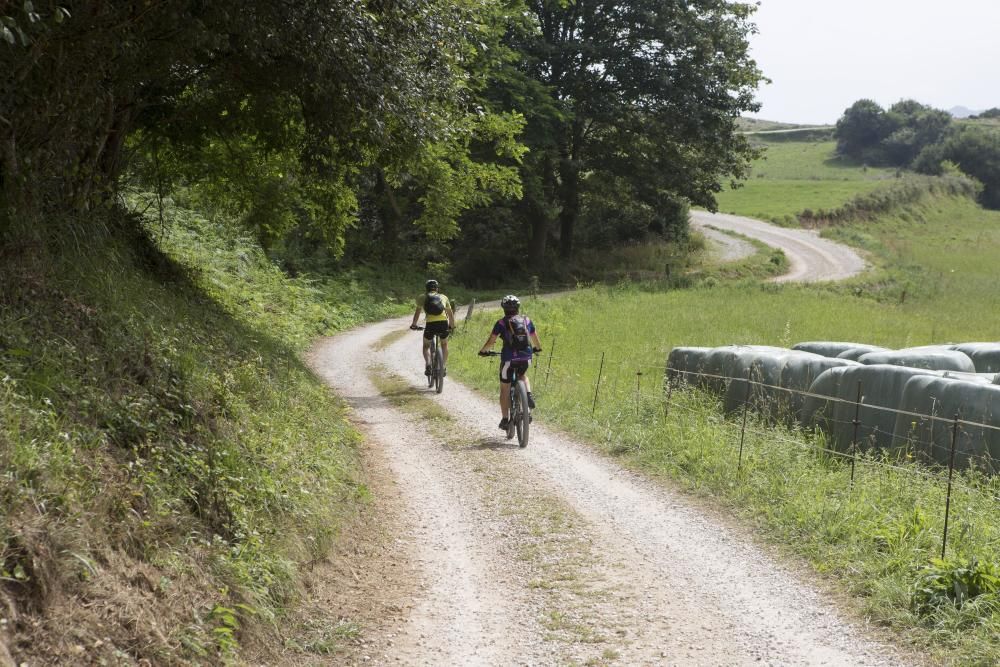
point(519, 342)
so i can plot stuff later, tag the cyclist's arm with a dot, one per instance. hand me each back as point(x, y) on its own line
point(451, 315)
point(488, 345)
point(416, 316)
point(534, 341)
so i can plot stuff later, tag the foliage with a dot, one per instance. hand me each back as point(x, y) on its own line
point(943, 582)
point(976, 151)
point(646, 93)
point(895, 137)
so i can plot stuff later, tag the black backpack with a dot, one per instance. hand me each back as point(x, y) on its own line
point(433, 304)
point(517, 328)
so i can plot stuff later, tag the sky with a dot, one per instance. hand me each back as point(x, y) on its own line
point(824, 55)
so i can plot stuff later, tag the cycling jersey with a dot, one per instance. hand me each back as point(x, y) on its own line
point(428, 318)
point(508, 353)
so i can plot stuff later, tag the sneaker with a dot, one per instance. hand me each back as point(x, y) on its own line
point(531, 401)
point(427, 370)
point(504, 423)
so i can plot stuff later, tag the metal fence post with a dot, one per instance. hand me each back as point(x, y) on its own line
point(743, 428)
point(670, 389)
point(548, 365)
point(854, 438)
point(951, 470)
point(638, 394)
point(597, 385)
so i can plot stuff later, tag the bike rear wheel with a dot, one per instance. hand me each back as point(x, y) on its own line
point(438, 373)
point(430, 376)
point(522, 414)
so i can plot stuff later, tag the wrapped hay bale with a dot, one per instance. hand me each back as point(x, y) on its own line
point(881, 391)
point(938, 359)
point(985, 356)
point(721, 362)
point(771, 373)
point(835, 349)
point(933, 402)
point(684, 364)
point(856, 353)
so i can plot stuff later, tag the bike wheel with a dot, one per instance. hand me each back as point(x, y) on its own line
point(438, 371)
point(514, 412)
point(430, 378)
point(523, 412)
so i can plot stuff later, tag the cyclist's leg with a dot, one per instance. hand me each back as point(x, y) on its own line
point(505, 389)
point(427, 352)
point(444, 348)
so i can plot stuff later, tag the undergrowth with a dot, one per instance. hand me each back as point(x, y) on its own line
point(168, 462)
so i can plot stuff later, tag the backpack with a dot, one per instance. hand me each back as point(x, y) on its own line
point(517, 328)
point(433, 304)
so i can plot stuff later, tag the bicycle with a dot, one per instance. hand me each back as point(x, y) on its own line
point(436, 377)
point(520, 412)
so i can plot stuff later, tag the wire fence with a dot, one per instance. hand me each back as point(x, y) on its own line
point(650, 395)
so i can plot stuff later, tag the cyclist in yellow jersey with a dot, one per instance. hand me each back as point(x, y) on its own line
point(439, 319)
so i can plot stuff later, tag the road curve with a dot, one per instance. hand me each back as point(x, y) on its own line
point(810, 258)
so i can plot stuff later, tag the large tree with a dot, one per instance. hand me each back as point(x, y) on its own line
point(646, 92)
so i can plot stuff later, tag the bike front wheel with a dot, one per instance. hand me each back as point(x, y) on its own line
point(438, 373)
point(522, 414)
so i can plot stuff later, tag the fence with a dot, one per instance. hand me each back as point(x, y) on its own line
point(645, 390)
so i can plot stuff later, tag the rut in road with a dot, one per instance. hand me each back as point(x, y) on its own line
point(555, 555)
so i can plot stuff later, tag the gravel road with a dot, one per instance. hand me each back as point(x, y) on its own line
point(554, 555)
point(810, 258)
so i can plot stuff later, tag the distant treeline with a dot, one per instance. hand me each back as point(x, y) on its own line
point(914, 136)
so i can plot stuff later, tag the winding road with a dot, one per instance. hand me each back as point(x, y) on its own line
point(554, 554)
point(810, 258)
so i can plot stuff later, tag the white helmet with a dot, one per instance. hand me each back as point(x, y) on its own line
point(510, 304)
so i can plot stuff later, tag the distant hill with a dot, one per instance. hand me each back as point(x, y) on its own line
point(963, 112)
point(745, 124)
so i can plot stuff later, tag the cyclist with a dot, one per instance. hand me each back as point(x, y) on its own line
point(519, 341)
point(439, 318)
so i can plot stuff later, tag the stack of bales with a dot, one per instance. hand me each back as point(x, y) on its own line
point(898, 388)
point(776, 380)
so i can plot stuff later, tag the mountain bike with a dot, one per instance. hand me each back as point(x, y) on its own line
point(436, 377)
point(520, 412)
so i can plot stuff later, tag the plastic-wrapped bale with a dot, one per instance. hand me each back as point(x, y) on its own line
point(857, 352)
point(881, 391)
point(934, 401)
point(766, 368)
point(817, 408)
point(685, 364)
point(798, 375)
point(985, 356)
point(928, 359)
point(721, 361)
point(835, 349)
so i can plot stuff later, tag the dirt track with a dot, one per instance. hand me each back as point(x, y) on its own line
point(553, 554)
point(810, 258)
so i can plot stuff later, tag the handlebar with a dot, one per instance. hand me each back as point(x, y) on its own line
point(414, 327)
point(493, 353)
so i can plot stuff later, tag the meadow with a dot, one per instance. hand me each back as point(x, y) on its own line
point(933, 279)
point(793, 176)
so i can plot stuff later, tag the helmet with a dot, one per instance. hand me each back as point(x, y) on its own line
point(510, 304)
point(431, 285)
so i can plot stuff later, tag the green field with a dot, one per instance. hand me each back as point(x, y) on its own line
point(934, 279)
point(794, 176)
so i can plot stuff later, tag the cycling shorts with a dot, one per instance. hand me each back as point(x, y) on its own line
point(507, 366)
point(439, 328)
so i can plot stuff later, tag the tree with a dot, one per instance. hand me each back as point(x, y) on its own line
point(646, 91)
point(976, 151)
point(861, 129)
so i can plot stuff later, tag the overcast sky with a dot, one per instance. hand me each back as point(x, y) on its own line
point(823, 55)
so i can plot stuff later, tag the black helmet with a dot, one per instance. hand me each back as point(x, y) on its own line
point(510, 304)
point(431, 285)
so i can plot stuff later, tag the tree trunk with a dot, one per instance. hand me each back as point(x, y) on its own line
point(539, 236)
point(391, 217)
point(569, 191)
point(569, 194)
